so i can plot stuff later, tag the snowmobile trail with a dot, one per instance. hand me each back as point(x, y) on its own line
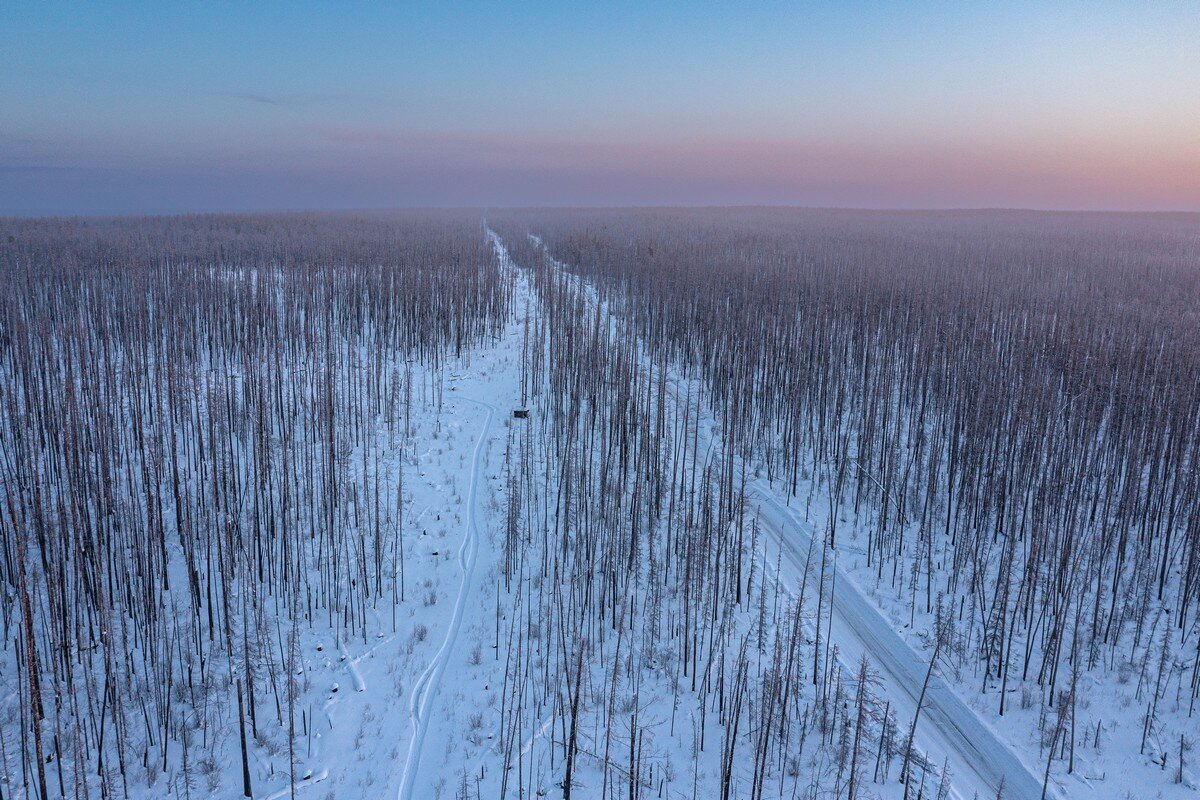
point(426, 688)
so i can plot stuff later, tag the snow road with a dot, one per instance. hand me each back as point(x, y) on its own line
point(947, 729)
point(426, 687)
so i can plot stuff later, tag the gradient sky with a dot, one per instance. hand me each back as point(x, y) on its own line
point(121, 107)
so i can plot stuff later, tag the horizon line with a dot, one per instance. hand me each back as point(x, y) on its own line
point(8, 217)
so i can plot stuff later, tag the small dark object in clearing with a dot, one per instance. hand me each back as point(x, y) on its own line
point(521, 413)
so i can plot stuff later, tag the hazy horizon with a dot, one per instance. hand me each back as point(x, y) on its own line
point(137, 108)
point(368, 211)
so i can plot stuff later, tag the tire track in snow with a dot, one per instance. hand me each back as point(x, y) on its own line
point(425, 690)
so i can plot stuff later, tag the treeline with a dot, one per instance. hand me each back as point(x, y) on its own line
point(1007, 403)
point(197, 425)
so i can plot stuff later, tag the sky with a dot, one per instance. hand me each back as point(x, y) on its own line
point(164, 107)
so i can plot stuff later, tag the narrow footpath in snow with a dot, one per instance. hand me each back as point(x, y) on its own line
point(426, 688)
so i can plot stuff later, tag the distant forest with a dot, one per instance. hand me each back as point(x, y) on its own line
point(991, 419)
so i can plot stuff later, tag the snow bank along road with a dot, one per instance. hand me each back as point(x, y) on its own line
point(426, 687)
point(948, 729)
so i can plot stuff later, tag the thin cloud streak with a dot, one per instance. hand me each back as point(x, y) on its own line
point(260, 99)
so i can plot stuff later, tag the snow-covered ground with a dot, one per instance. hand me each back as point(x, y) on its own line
point(959, 726)
point(980, 763)
point(1110, 712)
point(414, 714)
point(415, 706)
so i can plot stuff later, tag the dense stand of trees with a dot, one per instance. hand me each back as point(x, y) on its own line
point(196, 424)
point(638, 620)
point(1007, 403)
point(199, 427)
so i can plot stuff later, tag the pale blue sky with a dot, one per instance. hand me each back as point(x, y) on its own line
point(160, 107)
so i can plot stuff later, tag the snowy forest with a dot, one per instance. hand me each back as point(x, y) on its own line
point(647, 504)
